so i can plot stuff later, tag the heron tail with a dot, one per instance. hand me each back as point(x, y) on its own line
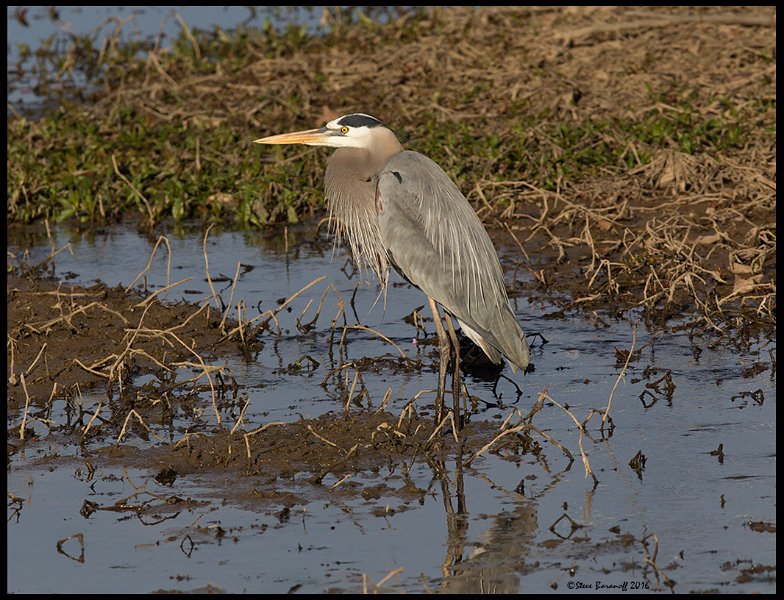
point(506, 338)
point(511, 340)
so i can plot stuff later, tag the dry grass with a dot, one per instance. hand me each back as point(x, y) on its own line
point(631, 152)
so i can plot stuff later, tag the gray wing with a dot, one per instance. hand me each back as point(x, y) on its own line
point(433, 236)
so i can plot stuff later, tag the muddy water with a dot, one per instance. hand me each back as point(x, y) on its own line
point(691, 517)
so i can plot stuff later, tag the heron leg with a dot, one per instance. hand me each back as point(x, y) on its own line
point(443, 348)
point(456, 368)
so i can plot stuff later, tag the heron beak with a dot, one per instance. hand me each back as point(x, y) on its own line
point(311, 137)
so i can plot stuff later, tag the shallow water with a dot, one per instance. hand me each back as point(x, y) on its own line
point(698, 507)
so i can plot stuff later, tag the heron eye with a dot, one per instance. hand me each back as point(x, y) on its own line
point(344, 130)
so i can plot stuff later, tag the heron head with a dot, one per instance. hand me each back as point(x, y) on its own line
point(356, 130)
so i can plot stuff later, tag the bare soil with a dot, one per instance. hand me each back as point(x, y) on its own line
point(96, 336)
point(66, 339)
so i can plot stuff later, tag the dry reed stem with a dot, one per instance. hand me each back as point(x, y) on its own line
point(586, 464)
point(306, 326)
point(201, 364)
point(53, 247)
point(205, 370)
point(161, 239)
point(189, 35)
point(11, 345)
point(316, 479)
point(554, 442)
point(257, 431)
point(384, 401)
point(133, 413)
point(240, 310)
point(376, 586)
point(322, 438)
point(387, 426)
point(231, 296)
point(436, 430)
point(517, 241)
point(187, 436)
point(270, 314)
point(620, 375)
point(166, 289)
point(239, 419)
point(582, 35)
point(52, 395)
point(26, 408)
point(93, 371)
point(186, 321)
point(538, 405)
point(152, 58)
point(453, 419)
point(652, 560)
point(71, 294)
point(409, 405)
point(35, 361)
point(382, 336)
point(332, 372)
point(135, 190)
point(90, 422)
point(484, 448)
point(667, 248)
point(353, 385)
point(117, 366)
point(342, 480)
point(207, 269)
point(304, 310)
point(509, 416)
point(151, 358)
point(45, 326)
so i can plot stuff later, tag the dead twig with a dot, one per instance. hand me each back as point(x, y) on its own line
point(150, 212)
point(620, 375)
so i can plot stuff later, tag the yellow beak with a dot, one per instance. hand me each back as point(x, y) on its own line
point(310, 136)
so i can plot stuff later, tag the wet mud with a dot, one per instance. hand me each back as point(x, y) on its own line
point(97, 336)
point(160, 415)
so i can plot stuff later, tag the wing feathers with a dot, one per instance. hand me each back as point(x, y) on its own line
point(441, 246)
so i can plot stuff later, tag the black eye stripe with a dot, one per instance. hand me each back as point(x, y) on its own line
point(359, 120)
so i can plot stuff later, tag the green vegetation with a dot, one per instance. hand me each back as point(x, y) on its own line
point(637, 170)
point(62, 167)
point(179, 123)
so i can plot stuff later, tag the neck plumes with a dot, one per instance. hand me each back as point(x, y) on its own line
point(350, 184)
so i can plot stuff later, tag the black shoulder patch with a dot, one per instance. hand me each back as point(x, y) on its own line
point(359, 120)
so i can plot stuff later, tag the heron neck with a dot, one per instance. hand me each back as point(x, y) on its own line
point(365, 163)
point(350, 184)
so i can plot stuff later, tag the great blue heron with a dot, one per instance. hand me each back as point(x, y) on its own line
point(397, 207)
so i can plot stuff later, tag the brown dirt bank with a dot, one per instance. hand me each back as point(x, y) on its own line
point(65, 335)
point(65, 339)
point(358, 453)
